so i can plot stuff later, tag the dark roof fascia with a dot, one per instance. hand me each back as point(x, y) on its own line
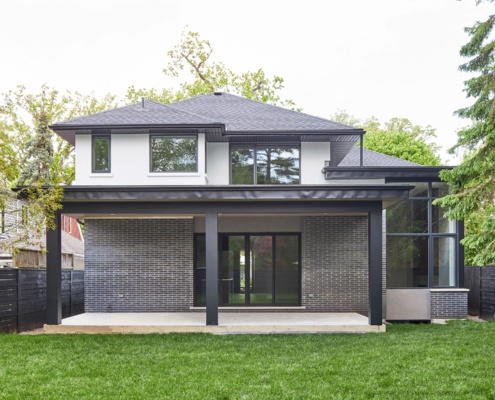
point(235, 193)
point(388, 173)
point(58, 127)
point(297, 132)
point(68, 132)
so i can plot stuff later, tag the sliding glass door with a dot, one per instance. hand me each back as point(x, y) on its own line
point(254, 269)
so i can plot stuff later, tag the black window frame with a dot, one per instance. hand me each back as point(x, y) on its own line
point(254, 146)
point(93, 154)
point(431, 238)
point(151, 136)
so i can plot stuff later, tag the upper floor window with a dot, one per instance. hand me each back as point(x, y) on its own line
point(101, 153)
point(174, 153)
point(265, 164)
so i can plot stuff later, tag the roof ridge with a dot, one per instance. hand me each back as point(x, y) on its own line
point(271, 105)
point(171, 105)
point(98, 113)
point(180, 111)
point(165, 105)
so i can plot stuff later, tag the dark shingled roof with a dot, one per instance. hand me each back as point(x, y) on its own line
point(238, 114)
point(374, 159)
point(241, 114)
point(152, 113)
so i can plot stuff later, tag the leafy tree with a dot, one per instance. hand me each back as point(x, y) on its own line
point(31, 155)
point(398, 138)
point(473, 181)
point(192, 62)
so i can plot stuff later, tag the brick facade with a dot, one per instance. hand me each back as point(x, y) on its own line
point(449, 304)
point(139, 265)
point(335, 263)
point(146, 265)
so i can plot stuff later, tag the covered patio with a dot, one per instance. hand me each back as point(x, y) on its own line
point(228, 323)
point(364, 202)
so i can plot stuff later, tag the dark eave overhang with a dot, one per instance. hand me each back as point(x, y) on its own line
point(57, 128)
point(324, 132)
point(389, 173)
point(389, 194)
point(68, 132)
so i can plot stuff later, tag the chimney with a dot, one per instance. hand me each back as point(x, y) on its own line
point(142, 102)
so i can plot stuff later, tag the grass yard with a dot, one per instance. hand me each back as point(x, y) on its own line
point(454, 361)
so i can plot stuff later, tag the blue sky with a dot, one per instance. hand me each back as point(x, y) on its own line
point(383, 58)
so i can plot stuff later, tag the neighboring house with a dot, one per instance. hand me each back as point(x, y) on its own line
point(223, 201)
point(31, 255)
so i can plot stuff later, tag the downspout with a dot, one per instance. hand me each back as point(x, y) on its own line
point(361, 150)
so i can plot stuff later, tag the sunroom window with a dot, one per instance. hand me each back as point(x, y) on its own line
point(421, 241)
point(265, 164)
point(174, 153)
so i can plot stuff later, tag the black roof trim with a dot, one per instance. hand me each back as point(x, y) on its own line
point(400, 173)
point(298, 132)
point(391, 193)
point(58, 127)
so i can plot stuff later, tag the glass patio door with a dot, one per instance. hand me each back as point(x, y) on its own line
point(259, 270)
point(254, 269)
point(232, 282)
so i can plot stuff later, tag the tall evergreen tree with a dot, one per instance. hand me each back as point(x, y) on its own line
point(473, 181)
point(31, 156)
point(38, 164)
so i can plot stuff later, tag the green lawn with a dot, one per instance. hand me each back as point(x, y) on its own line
point(408, 362)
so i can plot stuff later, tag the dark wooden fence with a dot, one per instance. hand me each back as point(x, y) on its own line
point(23, 297)
point(481, 284)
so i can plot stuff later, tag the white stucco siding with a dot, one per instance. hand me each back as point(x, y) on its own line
point(218, 164)
point(130, 164)
point(313, 156)
point(83, 159)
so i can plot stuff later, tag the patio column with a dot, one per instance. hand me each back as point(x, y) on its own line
point(54, 273)
point(375, 266)
point(211, 239)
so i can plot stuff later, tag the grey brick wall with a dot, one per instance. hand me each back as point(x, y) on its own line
point(138, 265)
point(335, 263)
point(448, 305)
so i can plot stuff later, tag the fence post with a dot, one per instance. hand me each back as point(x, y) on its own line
point(17, 300)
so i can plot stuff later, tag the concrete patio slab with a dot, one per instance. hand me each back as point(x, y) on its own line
point(229, 323)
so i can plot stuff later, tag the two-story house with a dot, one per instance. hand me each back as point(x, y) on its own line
point(223, 203)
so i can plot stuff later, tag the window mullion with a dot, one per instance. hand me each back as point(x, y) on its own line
point(255, 165)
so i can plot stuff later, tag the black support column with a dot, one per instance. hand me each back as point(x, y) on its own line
point(211, 238)
point(54, 274)
point(375, 266)
point(460, 254)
